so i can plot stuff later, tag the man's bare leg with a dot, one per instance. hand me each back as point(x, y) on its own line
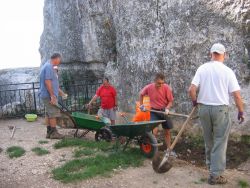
point(155, 131)
point(112, 122)
point(52, 122)
point(168, 137)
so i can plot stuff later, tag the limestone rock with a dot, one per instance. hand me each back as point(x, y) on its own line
point(131, 40)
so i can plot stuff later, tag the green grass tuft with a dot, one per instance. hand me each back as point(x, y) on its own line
point(69, 142)
point(43, 141)
point(40, 151)
point(243, 184)
point(15, 151)
point(100, 165)
point(200, 181)
point(83, 152)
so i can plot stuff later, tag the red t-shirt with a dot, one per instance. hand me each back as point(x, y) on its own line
point(107, 95)
point(159, 97)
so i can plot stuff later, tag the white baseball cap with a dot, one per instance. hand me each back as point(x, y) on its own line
point(219, 48)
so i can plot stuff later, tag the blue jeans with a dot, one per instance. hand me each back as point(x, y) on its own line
point(216, 125)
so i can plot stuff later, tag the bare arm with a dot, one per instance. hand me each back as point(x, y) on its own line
point(116, 102)
point(170, 104)
point(141, 99)
point(61, 93)
point(49, 87)
point(238, 100)
point(193, 92)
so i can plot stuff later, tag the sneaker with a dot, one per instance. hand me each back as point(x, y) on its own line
point(56, 135)
point(212, 180)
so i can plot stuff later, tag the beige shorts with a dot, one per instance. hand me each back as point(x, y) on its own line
point(108, 113)
point(50, 110)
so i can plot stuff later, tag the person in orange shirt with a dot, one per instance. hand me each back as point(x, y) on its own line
point(161, 99)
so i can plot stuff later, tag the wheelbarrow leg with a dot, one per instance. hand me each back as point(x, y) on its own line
point(84, 133)
point(75, 134)
point(126, 145)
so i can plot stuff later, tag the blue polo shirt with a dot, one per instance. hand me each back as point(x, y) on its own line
point(48, 73)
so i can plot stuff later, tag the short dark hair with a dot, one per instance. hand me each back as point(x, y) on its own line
point(159, 76)
point(105, 78)
point(55, 55)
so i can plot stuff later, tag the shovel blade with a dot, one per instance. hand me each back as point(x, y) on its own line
point(156, 163)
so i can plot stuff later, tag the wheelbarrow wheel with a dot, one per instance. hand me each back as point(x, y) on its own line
point(148, 145)
point(103, 134)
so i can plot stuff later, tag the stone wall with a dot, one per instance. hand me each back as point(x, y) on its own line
point(131, 40)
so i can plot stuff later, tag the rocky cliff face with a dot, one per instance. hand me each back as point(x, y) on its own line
point(131, 40)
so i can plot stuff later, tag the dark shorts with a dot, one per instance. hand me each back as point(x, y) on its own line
point(168, 124)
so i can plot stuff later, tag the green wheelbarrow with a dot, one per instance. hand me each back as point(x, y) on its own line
point(92, 123)
point(87, 122)
point(140, 132)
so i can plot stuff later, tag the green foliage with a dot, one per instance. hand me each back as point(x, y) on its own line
point(196, 141)
point(66, 79)
point(201, 181)
point(83, 152)
point(245, 139)
point(69, 142)
point(43, 141)
point(40, 151)
point(243, 184)
point(100, 165)
point(15, 151)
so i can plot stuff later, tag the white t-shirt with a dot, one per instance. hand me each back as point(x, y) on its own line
point(215, 81)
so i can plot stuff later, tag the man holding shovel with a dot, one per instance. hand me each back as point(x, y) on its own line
point(161, 99)
point(215, 82)
point(49, 91)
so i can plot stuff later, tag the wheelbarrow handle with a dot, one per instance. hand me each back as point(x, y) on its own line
point(66, 111)
point(170, 113)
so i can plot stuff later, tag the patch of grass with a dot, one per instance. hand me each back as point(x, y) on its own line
point(43, 141)
point(69, 142)
point(100, 165)
point(15, 151)
point(243, 184)
point(245, 139)
point(40, 151)
point(197, 141)
point(83, 152)
point(201, 181)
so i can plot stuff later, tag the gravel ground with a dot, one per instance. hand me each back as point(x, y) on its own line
point(35, 171)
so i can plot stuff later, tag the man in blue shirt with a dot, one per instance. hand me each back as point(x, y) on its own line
point(49, 91)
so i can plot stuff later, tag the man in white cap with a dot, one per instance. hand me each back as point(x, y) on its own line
point(216, 82)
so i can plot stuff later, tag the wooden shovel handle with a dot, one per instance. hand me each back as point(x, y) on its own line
point(170, 113)
point(182, 129)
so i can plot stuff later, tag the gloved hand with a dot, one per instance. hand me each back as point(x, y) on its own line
point(166, 111)
point(195, 103)
point(143, 108)
point(240, 117)
point(64, 96)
